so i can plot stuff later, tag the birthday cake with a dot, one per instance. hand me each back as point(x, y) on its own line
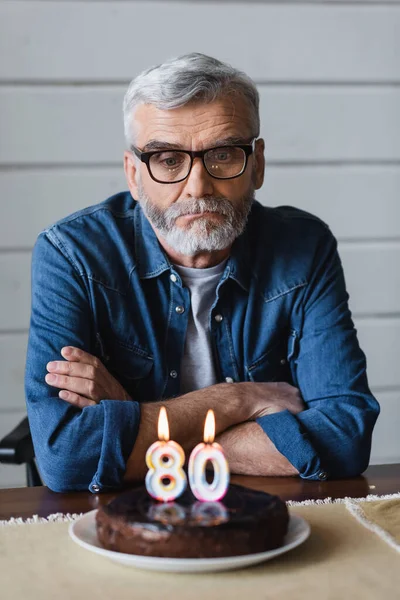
point(245, 522)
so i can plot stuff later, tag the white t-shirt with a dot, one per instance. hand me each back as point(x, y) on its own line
point(197, 367)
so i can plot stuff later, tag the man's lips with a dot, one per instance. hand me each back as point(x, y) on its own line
point(200, 214)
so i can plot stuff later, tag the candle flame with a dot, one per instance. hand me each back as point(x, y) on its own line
point(209, 427)
point(163, 427)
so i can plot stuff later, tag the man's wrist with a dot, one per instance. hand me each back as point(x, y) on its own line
point(225, 399)
point(231, 402)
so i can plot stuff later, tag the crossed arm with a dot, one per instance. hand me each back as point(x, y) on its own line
point(84, 381)
point(87, 439)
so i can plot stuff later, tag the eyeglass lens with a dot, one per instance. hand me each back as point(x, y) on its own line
point(222, 163)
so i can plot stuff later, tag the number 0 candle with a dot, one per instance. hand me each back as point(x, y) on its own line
point(165, 479)
point(202, 453)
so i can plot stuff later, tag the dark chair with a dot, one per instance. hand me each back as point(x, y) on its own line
point(17, 449)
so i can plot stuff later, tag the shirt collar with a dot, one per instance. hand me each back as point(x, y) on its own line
point(152, 261)
point(239, 261)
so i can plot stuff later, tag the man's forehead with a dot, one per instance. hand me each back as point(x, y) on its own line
point(195, 123)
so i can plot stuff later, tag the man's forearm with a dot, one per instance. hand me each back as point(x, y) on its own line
point(249, 451)
point(85, 382)
point(186, 416)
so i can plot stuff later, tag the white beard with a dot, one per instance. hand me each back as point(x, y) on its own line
point(202, 234)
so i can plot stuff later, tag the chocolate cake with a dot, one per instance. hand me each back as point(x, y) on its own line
point(244, 522)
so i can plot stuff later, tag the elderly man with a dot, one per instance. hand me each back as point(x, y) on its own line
point(188, 293)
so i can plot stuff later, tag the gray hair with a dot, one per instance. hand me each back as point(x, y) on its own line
point(189, 78)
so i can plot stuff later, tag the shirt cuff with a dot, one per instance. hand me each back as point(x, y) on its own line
point(291, 440)
point(121, 426)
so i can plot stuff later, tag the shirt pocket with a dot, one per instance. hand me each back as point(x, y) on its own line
point(277, 363)
point(130, 365)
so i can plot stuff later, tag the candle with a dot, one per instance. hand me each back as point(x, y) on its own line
point(165, 479)
point(202, 453)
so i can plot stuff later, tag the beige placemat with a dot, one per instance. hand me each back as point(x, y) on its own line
point(383, 518)
point(380, 514)
point(341, 559)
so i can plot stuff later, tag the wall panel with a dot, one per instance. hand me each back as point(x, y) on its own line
point(269, 41)
point(357, 202)
point(12, 367)
point(385, 440)
point(80, 126)
point(373, 276)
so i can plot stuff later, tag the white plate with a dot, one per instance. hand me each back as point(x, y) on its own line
point(83, 532)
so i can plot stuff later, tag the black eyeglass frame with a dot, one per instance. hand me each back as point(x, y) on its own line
point(145, 157)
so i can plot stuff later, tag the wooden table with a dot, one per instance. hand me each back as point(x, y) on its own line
point(379, 480)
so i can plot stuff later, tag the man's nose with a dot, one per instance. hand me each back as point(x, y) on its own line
point(199, 182)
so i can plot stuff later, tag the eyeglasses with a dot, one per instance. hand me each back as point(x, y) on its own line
point(173, 166)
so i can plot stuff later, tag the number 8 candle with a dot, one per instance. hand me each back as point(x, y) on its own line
point(165, 479)
point(202, 453)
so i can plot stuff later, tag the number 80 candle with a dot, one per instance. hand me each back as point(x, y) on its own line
point(165, 479)
point(203, 453)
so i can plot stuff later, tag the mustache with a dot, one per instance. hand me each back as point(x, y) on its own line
point(193, 206)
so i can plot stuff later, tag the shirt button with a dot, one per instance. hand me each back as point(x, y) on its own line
point(229, 380)
point(95, 488)
point(173, 374)
point(218, 318)
point(173, 277)
point(180, 309)
point(322, 475)
point(283, 361)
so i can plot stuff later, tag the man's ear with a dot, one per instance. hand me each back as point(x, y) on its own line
point(131, 173)
point(259, 165)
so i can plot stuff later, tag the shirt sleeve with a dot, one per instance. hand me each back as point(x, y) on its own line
point(332, 436)
point(76, 449)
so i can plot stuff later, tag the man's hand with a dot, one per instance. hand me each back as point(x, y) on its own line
point(267, 398)
point(83, 379)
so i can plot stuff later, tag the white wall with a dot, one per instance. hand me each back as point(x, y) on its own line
point(328, 74)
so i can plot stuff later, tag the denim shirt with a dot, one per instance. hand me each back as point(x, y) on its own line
point(101, 282)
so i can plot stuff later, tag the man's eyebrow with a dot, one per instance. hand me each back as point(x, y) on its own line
point(227, 141)
point(160, 145)
point(232, 141)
